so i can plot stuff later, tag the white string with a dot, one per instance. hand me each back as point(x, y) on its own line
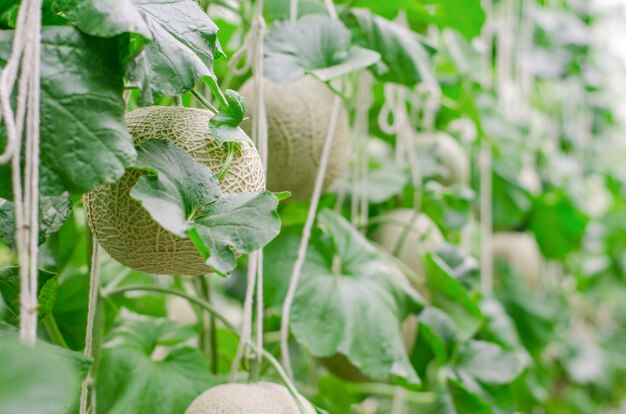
point(94, 286)
point(306, 235)
point(308, 225)
point(252, 49)
point(485, 171)
point(25, 59)
point(293, 11)
point(246, 326)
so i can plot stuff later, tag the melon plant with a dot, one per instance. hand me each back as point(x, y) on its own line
point(256, 398)
point(298, 114)
point(127, 231)
point(408, 235)
point(520, 252)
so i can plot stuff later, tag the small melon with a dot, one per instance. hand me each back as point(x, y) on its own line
point(451, 156)
point(127, 231)
point(298, 115)
point(259, 398)
point(422, 236)
point(521, 253)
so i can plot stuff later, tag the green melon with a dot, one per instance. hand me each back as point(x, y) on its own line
point(298, 115)
point(259, 398)
point(521, 253)
point(423, 236)
point(451, 156)
point(127, 231)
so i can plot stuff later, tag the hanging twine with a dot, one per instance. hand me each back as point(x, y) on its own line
point(252, 51)
point(485, 170)
point(25, 60)
point(94, 285)
point(364, 100)
point(308, 225)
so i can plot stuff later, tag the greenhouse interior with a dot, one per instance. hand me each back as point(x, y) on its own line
point(312, 207)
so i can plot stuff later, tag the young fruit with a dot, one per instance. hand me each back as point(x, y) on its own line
point(298, 115)
point(127, 231)
point(421, 235)
point(451, 156)
point(259, 398)
point(521, 253)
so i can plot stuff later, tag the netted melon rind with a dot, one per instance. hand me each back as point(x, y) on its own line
point(126, 230)
point(298, 115)
point(259, 398)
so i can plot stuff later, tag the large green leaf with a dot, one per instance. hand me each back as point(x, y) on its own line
point(47, 284)
point(138, 374)
point(53, 211)
point(35, 380)
point(488, 363)
point(317, 45)
point(180, 40)
point(558, 225)
point(83, 138)
point(185, 198)
point(464, 16)
point(449, 295)
point(404, 57)
point(105, 18)
point(351, 305)
point(183, 48)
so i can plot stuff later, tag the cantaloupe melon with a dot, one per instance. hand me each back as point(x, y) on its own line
point(298, 115)
point(521, 253)
point(422, 236)
point(127, 231)
point(452, 159)
point(259, 398)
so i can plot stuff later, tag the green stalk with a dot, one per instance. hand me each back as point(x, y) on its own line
point(230, 154)
point(203, 101)
point(209, 307)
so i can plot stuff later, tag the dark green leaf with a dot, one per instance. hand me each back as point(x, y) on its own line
point(35, 380)
point(224, 126)
point(439, 332)
point(462, 400)
point(53, 211)
point(10, 289)
point(105, 18)
point(558, 225)
point(183, 48)
point(81, 112)
point(316, 45)
point(449, 295)
point(352, 305)
point(136, 376)
point(404, 58)
point(175, 187)
point(184, 197)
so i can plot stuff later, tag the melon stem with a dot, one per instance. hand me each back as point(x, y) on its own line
point(336, 265)
point(230, 154)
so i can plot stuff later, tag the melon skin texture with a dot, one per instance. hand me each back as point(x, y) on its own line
point(451, 156)
point(423, 237)
point(521, 253)
point(298, 115)
point(126, 230)
point(259, 398)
